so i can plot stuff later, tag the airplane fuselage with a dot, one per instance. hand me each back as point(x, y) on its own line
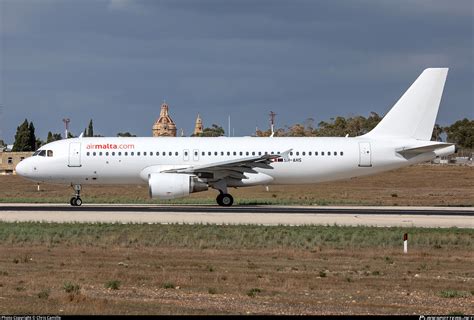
point(125, 160)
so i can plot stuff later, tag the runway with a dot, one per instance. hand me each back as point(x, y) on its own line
point(443, 217)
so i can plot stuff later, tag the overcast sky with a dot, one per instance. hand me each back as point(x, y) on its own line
point(115, 61)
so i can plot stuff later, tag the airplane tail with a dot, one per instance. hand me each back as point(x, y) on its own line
point(414, 115)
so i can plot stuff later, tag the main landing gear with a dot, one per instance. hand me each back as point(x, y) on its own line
point(76, 201)
point(224, 199)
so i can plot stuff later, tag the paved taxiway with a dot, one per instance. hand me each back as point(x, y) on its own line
point(265, 215)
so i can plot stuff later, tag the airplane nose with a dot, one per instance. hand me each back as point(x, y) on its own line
point(21, 168)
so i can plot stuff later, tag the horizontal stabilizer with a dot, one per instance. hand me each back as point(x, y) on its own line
point(423, 149)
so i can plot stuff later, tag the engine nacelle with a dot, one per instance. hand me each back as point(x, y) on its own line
point(173, 185)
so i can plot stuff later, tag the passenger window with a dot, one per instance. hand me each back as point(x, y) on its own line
point(222, 153)
point(93, 153)
point(203, 153)
point(266, 152)
point(291, 153)
point(241, 153)
point(335, 153)
point(322, 153)
point(144, 153)
point(100, 153)
point(88, 153)
point(138, 153)
point(329, 153)
point(176, 153)
point(113, 153)
point(341, 153)
point(259, 153)
point(151, 153)
point(170, 153)
point(120, 153)
point(107, 153)
point(303, 153)
point(315, 153)
point(157, 153)
point(186, 153)
point(195, 153)
point(297, 153)
point(132, 153)
point(215, 153)
point(50, 153)
point(309, 153)
point(125, 153)
point(253, 153)
point(247, 153)
point(235, 153)
point(228, 153)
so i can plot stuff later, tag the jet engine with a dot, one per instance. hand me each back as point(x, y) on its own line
point(174, 185)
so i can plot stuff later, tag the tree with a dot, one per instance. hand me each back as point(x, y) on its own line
point(461, 133)
point(38, 143)
point(2, 143)
point(437, 132)
point(213, 131)
point(25, 139)
point(53, 137)
point(90, 131)
point(125, 134)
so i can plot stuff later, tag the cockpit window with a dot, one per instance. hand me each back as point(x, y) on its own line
point(41, 153)
point(50, 153)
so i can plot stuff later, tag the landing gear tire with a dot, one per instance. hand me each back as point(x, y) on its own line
point(225, 200)
point(75, 202)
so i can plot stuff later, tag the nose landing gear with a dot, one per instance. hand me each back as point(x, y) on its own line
point(76, 201)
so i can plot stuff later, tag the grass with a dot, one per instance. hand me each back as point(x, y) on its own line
point(70, 287)
point(112, 284)
point(228, 236)
point(253, 292)
point(454, 294)
point(44, 294)
point(168, 285)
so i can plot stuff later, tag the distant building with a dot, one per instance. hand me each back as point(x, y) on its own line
point(198, 126)
point(164, 126)
point(9, 160)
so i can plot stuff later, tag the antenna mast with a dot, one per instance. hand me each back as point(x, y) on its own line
point(272, 123)
point(66, 125)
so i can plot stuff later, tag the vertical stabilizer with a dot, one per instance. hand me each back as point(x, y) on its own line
point(414, 115)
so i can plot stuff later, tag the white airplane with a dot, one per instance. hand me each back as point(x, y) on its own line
point(175, 167)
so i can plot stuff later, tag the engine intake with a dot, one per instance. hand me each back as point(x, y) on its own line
point(174, 185)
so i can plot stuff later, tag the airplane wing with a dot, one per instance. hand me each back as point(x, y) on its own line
point(234, 169)
point(423, 149)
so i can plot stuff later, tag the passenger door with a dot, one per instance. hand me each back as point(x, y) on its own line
point(365, 154)
point(74, 154)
